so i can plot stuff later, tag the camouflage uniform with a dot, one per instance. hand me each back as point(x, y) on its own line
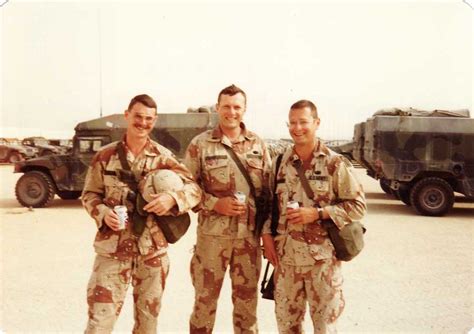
point(225, 241)
point(308, 270)
point(121, 257)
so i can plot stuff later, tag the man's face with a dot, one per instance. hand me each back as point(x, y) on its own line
point(141, 120)
point(302, 126)
point(231, 110)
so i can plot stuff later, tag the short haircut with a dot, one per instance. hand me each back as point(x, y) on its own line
point(231, 91)
point(144, 99)
point(306, 103)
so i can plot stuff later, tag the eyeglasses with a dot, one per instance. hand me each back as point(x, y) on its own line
point(302, 123)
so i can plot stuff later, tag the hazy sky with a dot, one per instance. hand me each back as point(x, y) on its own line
point(63, 62)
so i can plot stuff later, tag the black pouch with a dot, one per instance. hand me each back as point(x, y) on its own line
point(261, 215)
point(268, 286)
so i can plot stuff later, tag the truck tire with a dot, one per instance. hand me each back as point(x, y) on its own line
point(403, 194)
point(432, 196)
point(15, 157)
point(385, 185)
point(35, 189)
point(69, 195)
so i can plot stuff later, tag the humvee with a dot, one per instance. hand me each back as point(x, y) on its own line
point(423, 157)
point(64, 175)
point(42, 145)
point(12, 151)
point(64, 145)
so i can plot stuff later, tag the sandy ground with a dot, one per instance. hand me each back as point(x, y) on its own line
point(416, 273)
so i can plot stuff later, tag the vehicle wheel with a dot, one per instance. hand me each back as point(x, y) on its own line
point(385, 185)
point(69, 195)
point(403, 194)
point(15, 157)
point(432, 196)
point(35, 189)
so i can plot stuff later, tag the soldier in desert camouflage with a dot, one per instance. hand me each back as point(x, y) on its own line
point(226, 233)
point(307, 270)
point(123, 256)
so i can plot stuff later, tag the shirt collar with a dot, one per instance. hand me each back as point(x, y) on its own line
point(319, 150)
point(218, 135)
point(148, 150)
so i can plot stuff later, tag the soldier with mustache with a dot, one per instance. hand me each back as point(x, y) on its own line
point(136, 254)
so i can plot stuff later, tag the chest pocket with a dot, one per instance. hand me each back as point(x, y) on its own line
point(255, 169)
point(115, 190)
point(320, 184)
point(218, 176)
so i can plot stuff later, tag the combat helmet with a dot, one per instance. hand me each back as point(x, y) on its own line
point(159, 181)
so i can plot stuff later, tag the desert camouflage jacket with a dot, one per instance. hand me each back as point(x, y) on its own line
point(104, 190)
point(335, 188)
point(218, 175)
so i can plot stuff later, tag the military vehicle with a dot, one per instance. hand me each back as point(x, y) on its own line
point(42, 145)
point(344, 147)
point(64, 145)
point(422, 157)
point(64, 174)
point(12, 151)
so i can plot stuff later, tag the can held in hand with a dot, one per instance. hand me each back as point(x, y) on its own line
point(292, 205)
point(121, 211)
point(240, 196)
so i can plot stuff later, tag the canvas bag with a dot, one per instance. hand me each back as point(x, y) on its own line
point(347, 241)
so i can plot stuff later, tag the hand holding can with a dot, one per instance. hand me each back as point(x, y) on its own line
point(292, 205)
point(240, 196)
point(121, 211)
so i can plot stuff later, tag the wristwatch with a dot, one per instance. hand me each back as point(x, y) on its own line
point(320, 214)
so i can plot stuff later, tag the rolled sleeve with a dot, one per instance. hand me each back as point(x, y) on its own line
point(352, 205)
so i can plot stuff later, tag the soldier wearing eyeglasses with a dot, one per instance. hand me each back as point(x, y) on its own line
point(306, 269)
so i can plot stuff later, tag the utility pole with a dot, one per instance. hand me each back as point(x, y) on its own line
point(99, 27)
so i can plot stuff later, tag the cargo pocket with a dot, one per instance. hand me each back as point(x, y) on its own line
point(106, 242)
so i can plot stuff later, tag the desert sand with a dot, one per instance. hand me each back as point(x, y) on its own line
point(416, 274)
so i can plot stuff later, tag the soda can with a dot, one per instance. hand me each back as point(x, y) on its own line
point(121, 211)
point(240, 196)
point(292, 205)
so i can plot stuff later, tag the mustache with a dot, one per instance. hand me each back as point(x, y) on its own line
point(147, 127)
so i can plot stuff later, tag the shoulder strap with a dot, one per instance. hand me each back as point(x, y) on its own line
point(277, 167)
point(275, 210)
point(122, 156)
point(242, 169)
point(126, 175)
point(304, 181)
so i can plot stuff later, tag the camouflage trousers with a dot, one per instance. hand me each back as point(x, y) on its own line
point(211, 258)
point(320, 285)
point(108, 285)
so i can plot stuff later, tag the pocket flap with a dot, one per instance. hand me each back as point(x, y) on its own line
point(255, 163)
point(216, 161)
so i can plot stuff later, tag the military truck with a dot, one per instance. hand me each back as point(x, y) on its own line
point(12, 151)
point(422, 157)
point(42, 145)
point(64, 175)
